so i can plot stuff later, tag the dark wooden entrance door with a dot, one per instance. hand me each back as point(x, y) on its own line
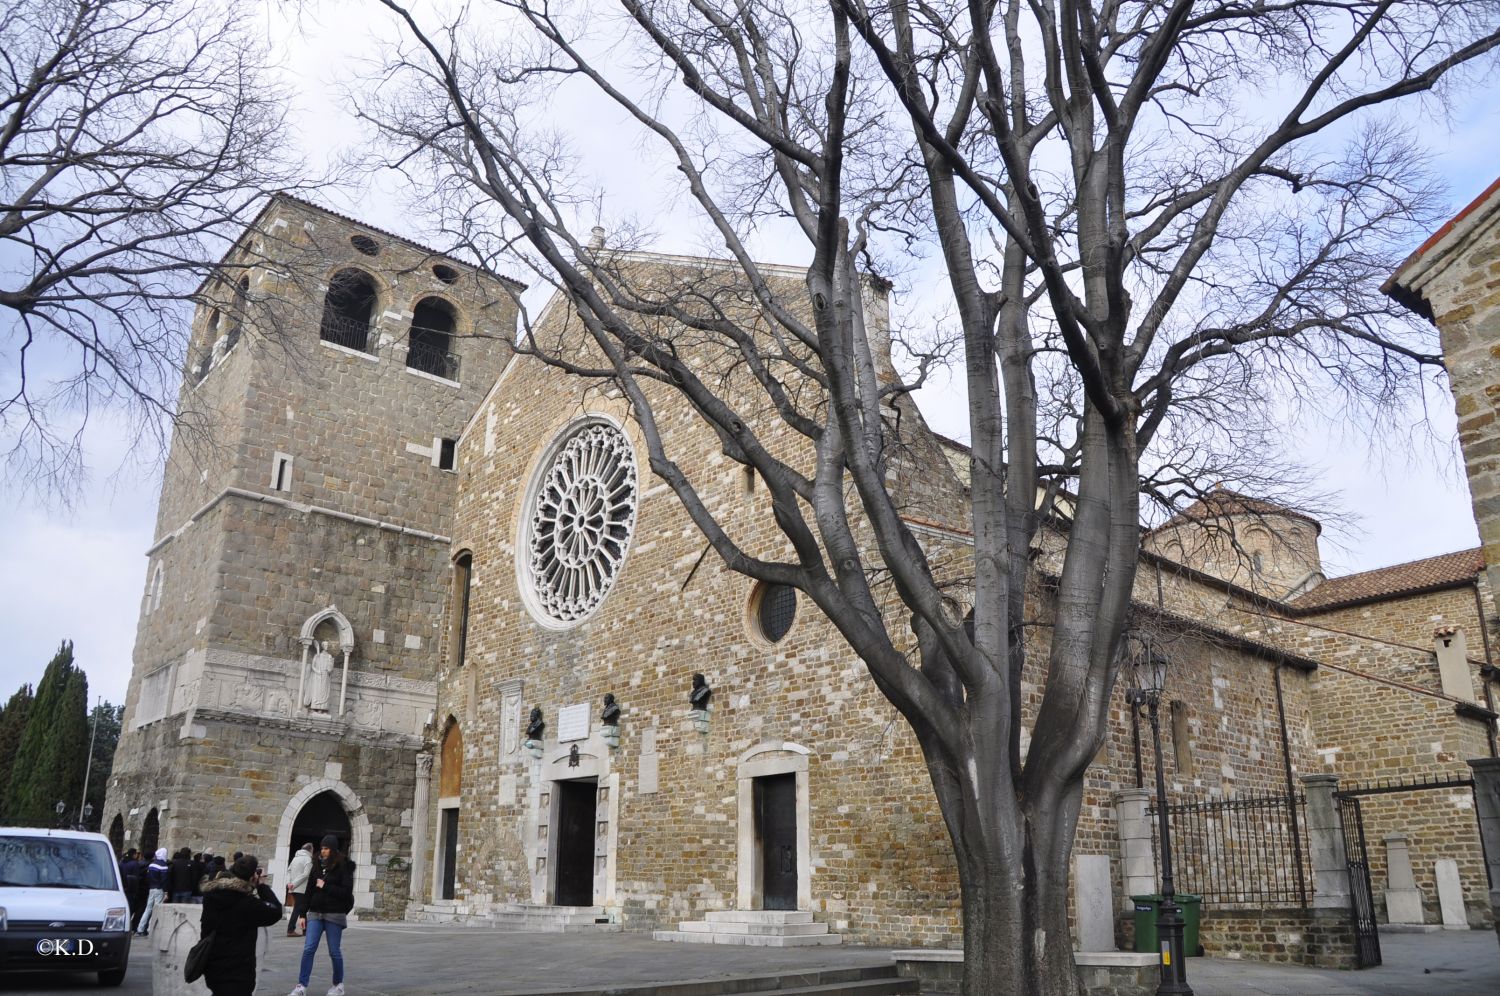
point(450, 852)
point(776, 826)
point(576, 801)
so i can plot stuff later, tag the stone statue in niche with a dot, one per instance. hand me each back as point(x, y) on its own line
point(611, 714)
point(320, 687)
point(701, 693)
point(535, 726)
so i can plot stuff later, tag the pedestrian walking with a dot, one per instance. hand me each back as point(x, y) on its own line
point(180, 876)
point(234, 910)
point(298, 872)
point(330, 897)
point(156, 888)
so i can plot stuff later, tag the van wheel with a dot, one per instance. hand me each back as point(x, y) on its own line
point(113, 977)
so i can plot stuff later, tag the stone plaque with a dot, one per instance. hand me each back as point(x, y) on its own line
point(573, 722)
point(510, 718)
point(645, 783)
point(507, 794)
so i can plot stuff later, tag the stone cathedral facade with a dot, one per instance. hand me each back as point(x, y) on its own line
point(426, 593)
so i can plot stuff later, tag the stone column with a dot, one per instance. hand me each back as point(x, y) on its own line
point(418, 890)
point(1403, 901)
point(1137, 861)
point(1487, 797)
point(1325, 843)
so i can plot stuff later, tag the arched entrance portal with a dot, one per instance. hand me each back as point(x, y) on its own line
point(321, 815)
point(356, 829)
point(150, 832)
point(117, 834)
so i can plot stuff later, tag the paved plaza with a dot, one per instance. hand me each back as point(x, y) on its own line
point(392, 959)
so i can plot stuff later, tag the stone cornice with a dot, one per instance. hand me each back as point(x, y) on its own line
point(295, 506)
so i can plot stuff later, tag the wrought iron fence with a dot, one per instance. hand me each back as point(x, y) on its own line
point(1246, 851)
point(435, 360)
point(351, 333)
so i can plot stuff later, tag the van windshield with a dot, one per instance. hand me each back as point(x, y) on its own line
point(56, 863)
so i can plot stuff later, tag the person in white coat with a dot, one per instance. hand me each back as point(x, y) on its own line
point(296, 886)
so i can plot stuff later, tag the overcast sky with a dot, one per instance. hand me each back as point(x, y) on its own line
point(78, 574)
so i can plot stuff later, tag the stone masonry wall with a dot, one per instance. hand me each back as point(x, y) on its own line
point(1465, 299)
point(360, 522)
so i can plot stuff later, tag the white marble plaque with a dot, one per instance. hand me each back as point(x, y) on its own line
point(1094, 899)
point(1450, 891)
point(573, 723)
point(507, 794)
point(645, 783)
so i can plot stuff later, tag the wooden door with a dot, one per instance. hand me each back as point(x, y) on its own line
point(450, 852)
point(576, 802)
point(776, 825)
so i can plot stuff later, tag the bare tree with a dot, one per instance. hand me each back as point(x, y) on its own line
point(1159, 221)
point(134, 137)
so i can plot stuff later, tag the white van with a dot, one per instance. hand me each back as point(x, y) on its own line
point(62, 906)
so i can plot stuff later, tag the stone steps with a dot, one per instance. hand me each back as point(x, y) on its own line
point(866, 981)
point(752, 928)
point(552, 919)
point(515, 917)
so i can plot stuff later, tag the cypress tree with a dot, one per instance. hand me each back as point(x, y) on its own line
point(12, 724)
point(50, 760)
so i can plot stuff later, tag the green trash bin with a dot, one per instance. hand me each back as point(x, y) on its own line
point(1145, 921)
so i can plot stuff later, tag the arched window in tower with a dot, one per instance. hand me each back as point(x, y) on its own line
point(430, 344)
point(463, 574)
point(238, 312)
point(348, 310)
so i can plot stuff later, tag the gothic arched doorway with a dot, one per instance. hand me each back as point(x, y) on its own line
point(450, 787)
point(321, 815)
point(117, 835)
point(150, 832)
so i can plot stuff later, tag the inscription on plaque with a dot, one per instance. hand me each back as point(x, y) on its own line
point(573, 722)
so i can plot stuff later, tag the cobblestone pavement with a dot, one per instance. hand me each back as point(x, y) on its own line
point(391, 959)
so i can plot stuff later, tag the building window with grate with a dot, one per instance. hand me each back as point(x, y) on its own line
point(237, 313)
point(348, 309)
point(774, 607)
point(429, 347)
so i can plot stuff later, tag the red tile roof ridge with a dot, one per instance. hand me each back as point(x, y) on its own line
point(1440, 571)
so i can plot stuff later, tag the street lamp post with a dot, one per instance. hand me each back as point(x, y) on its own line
point(1145, 697)
point(59, 809)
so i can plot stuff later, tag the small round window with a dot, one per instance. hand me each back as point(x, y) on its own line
point(364, 244)
point(775, 609)
point(446, 274)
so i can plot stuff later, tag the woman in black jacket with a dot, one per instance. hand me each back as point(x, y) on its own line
point(234, 910)
point(330, 897)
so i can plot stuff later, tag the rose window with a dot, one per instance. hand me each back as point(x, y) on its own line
point(581, 521)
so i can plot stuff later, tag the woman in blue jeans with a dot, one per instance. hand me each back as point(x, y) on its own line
point(330, 897)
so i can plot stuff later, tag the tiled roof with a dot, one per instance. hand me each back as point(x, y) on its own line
point(1221, 502)
point(1443, 571)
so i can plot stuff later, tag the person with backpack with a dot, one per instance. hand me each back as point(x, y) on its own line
point(330, 897)
point(234, 909)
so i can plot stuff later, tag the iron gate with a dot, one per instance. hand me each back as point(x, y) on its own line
point(1361, 891)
